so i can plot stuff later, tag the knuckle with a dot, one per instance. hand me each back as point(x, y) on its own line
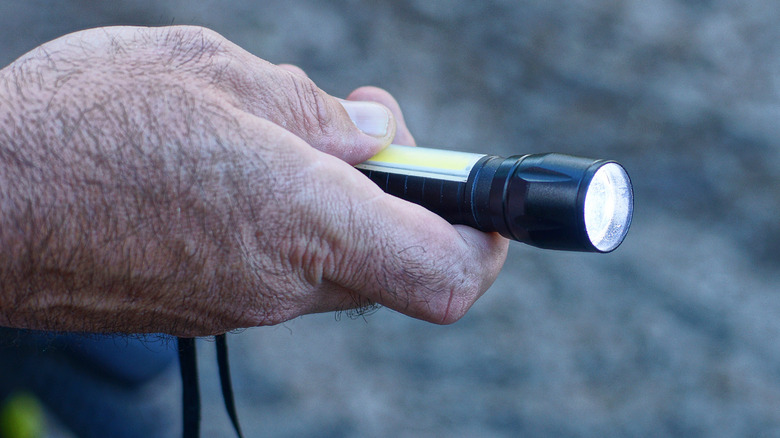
point(290, 255)
point(198, 52)
point(190, 43)
point(310, 107)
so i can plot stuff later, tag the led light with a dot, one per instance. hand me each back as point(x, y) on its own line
point(551, 201)
point(608, 207)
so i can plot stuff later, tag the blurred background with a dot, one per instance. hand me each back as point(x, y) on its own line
point(674, 334)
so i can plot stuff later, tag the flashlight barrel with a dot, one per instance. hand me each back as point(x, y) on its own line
point(448, 199)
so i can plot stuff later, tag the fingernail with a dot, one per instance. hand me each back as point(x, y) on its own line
point(370, 117)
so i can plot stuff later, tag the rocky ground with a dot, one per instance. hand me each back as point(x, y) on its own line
point(674, 334)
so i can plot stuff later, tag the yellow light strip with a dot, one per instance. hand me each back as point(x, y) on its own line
point(425, 162)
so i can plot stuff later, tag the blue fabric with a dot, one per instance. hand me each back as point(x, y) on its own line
point(97, 385)
point(128, 360)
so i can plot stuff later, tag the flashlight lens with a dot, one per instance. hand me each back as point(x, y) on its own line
point(609, 206)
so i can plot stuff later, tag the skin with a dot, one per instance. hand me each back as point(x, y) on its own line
point(165, 180)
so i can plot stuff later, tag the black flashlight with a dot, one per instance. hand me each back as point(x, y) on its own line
point(550, 201)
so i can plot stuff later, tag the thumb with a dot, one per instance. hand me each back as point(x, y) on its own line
point(353, 131)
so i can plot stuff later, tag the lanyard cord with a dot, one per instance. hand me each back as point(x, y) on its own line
point(188, 362)
point(190, 390)
point(225, 383)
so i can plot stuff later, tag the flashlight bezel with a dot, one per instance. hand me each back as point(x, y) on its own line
point(619, 221)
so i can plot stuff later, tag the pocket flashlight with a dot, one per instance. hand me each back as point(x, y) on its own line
point(550, 201)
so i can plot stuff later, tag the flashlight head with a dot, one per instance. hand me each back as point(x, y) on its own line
point(558, 201)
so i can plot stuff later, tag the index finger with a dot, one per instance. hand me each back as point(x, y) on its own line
point(407, 258)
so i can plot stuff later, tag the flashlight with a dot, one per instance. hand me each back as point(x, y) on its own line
point(550, 201)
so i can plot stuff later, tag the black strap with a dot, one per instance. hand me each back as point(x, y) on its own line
point(227, 385)
point(190, 390)
point(188, 362)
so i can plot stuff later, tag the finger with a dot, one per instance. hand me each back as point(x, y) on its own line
point(350, 130)
point(374, 94)
point(404, 257)
point(424, 267)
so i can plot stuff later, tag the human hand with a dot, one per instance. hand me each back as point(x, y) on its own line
point(165, 180)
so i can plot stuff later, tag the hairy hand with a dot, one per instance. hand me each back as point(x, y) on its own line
point(166, 180)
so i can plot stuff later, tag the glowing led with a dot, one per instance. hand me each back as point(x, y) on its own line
point(608, 207)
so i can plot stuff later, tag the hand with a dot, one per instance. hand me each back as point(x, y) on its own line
point(166, 180)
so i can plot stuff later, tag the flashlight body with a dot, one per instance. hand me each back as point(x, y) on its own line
point(534, 199)
point(448, 199)
point(435, 179)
